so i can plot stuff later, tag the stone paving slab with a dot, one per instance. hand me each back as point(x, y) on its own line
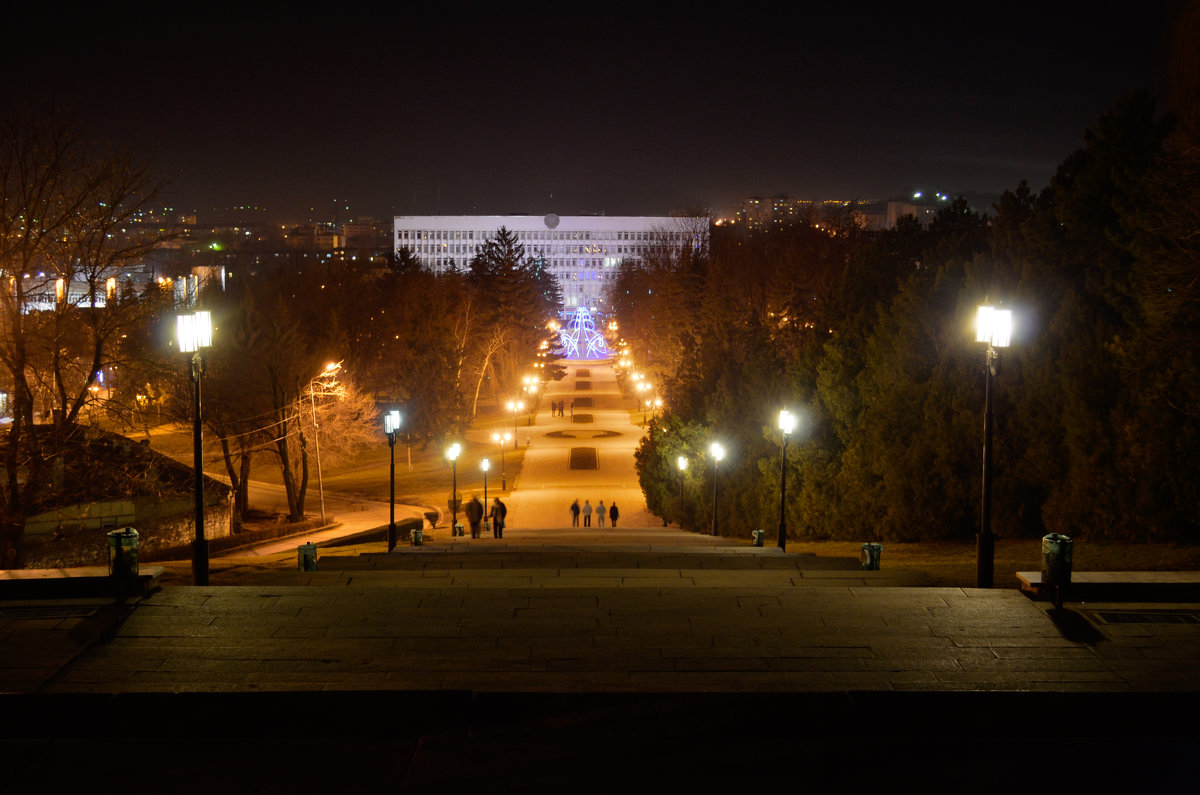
point(481, 638)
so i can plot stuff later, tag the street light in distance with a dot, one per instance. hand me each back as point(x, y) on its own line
point(194, 334)
point(787, 424)
point(993, 326)
point(391, 426)
point(717, 451)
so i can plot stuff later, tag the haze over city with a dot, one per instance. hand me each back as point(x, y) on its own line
point(603, 109)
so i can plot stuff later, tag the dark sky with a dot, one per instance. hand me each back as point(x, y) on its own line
point(577, 108)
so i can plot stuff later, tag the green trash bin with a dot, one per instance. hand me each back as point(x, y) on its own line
point(417, 534)
point(1056, 560)
point(306, 556)
point(756, 538)
point(871, 553)
point(123, 554)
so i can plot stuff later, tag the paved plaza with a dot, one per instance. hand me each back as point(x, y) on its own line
point(591, 658)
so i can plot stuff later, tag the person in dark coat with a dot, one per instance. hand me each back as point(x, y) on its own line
point(474, 511)
point(498, 512)
point(575, 514)
point(613, 513)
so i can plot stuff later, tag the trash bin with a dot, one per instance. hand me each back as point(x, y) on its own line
point(123, 553)
point(871, 552)
point(306, 555)
point(1056, 560)
point(458, 529)
point(417, 535)
point(756, 538)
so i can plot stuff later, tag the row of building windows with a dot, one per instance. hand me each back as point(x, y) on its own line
point(472, 249)
point(443, 234)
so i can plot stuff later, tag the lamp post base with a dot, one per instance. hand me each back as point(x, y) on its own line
point(984, 560)
point(200, 561)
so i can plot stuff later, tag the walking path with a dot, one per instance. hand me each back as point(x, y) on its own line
point(600, 421)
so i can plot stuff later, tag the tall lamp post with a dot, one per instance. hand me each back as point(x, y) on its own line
point(682, 463)
point(330, 369)
point(500, 441)
point(194, 334)
point(718, 454)
point(452, 453)
point(514, 406)
point(485, 465)
point(391, 425)
point(787, 424)
point(993, 326)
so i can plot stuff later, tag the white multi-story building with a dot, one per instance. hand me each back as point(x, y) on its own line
point(582, 251)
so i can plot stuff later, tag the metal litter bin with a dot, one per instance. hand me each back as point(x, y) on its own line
point(123, 553)
point(1056, 560)
point(306, 555)
point(418, 536)
point(871, 553)
point(458, 529)
point(756, 538)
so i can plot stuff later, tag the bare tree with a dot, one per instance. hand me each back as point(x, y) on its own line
point(62, 209)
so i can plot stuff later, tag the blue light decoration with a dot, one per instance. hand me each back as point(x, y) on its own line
point(579, 338)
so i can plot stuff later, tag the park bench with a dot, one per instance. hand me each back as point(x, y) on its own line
point(1118, 585)
point(71, 583)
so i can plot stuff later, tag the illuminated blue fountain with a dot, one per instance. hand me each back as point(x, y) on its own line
point(580, 340)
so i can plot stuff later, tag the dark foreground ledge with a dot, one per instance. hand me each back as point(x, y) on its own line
point(455, 740)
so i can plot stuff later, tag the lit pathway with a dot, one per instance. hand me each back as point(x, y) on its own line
point(540, 498)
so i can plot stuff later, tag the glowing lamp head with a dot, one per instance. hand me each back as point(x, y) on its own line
point(717, 450)
point(194, 332)
point(994, 326)
point(485, 465)
point(391, 422)
point(453, 450)
point(787, 422)
point(682, 463)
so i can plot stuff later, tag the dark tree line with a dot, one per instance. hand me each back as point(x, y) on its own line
point(869, 337)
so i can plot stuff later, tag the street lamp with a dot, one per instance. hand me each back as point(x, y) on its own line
point(993, 326)
point(330, 369)
point(514, 406)
point(500, 440)
point(391, 425)
point(194, 334)
point(787, 424)
point(452, 453)
point(682, 463)
point(718, 453)
point(485, 465)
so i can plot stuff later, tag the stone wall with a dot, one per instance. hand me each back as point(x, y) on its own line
point(90, 547)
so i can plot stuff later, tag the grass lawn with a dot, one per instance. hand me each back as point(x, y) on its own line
point(365, 475)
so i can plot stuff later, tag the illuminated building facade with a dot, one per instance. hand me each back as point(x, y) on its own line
point(583, 252)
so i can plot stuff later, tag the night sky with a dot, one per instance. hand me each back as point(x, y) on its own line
point(582, 109)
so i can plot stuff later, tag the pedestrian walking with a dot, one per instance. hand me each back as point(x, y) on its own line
point(613, 513)
point(575, 514)
point(498, 515)
point(587, 514)
point(474, 511)
point(572, 408)
point(601, 514)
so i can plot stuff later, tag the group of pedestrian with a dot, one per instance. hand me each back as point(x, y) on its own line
point(497, 515)
point(557, 407)
point(611, 513)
